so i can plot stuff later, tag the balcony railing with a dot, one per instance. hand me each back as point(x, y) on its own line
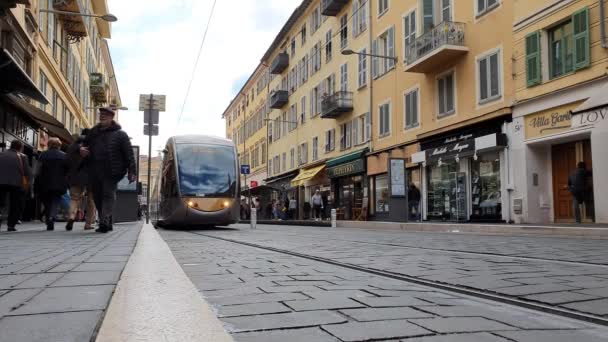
point(278, 99)
point(335, 105)
point(279, 63)
point(435, 47)
point(74, 25)
point(99, 88)
point(332, 7)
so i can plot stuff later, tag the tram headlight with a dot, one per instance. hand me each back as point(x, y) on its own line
point(226, 204)
point(191, 204)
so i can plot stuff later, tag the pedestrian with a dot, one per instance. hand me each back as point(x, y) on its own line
point(413, 202)
point(51, 181)
point(109, 156)
point(579, 185)
point(317, 205)
point(15, 180)
point(269, 210)
point(293, 206)
point(78, 184)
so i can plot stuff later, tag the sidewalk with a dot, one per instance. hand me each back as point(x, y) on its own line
point(56, 286)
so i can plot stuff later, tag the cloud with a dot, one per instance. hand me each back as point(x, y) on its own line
point(154, 46)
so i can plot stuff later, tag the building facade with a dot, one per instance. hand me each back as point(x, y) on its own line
point(425, 110)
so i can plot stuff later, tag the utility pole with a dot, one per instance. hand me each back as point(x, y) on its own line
point(151, 105)
point(149, 161)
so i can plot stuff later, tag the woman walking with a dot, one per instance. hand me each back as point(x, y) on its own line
point(51, 181)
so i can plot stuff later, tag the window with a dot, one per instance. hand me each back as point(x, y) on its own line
point(361, 129)
point(382, 195)
point(489, 77)
point(359, 17)
point(315, 148)
point(435, 12)
point(344, 77)
point(303, 114)
point(561, 50)
point(303, 153)
point(55, 103)
point(315, 101)
point(270, 140)
point(409, 32)
point(284, 161)
point(284, 122)
point(344, 32)
point(293, 46)
point(303, 34)
point(533, 75)
point(315, 55)
point(330, 140)
point(292, 159)
point(264, 151)
point(345, 135)
point(64, 115)
point(270, 167)
point(384, 120)
point(445, 91)
point(315, 20)
point(43, 81)
point(362, 69)
point(368, 127)
point(411, 109)
point(484, 6)
point(277, 164)
point(383, 46)
point(382, 7)
point(356, 130)
point(328, 46)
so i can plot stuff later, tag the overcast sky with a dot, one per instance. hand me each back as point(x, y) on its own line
point(154, 46)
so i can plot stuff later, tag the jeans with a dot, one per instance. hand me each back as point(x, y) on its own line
point(104, 194)
point(414, 210)
point(577, 208)
point(77, 193)
point(16, 202)
point(317, 208)
point(51, 203)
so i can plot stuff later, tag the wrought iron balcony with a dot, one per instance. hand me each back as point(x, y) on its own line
point(74, 25)
point(435, 48)
point(278, 99)
point(280, 63)
point(331, 8)
point(337, 104)
point(99, 88)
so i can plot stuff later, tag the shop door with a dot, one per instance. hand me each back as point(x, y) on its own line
point(563, 163)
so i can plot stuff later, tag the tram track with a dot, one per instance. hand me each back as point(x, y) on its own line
point(462, 290)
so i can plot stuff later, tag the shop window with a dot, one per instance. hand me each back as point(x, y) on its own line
point(381, 195)
point(446, 194)
point(485, 185)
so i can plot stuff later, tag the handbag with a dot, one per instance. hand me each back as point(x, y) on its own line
point(25, 183)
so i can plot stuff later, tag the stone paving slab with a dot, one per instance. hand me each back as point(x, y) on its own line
point(282, 321)
point(64, 327)
point(476, 337)
point(366, 331)
point(293, 335)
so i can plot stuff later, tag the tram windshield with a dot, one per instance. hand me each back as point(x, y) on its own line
point(206, 170)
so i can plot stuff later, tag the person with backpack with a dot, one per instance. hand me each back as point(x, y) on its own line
point(51, 183)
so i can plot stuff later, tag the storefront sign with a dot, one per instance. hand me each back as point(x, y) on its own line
point(397, 168)
point(354, 167)
point(460, 148)
point(549, 122)
point(590, 118)
point(253, 184)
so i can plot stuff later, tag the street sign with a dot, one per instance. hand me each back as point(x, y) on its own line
point(158, 102)
point(154, 130)
point(155, 115)
point(245, 169)
point(254, 184)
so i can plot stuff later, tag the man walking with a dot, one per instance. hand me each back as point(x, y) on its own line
point(317, 204)
point(78, 182)
point(578, 184)
point(293, 206)
point(15, 178)
point(51, 183)
point(109, 157)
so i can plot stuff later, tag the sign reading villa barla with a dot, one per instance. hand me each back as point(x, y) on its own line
point(549, 122)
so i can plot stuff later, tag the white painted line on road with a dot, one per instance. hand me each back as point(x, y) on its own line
point(155, 300)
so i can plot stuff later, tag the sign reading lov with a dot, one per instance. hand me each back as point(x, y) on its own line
point(590, 118)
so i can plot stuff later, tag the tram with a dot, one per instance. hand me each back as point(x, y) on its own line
point(198, 183)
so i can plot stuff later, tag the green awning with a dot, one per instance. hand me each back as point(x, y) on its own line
point(347, 158)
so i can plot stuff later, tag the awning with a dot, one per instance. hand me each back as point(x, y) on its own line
point(15, 80)
point(49, 123)
point(306, 175)
point(597, 100)
point(347, 158)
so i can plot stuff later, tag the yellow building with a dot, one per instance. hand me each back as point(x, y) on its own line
point(560, 117)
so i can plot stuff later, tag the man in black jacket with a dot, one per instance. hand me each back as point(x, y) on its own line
point(109, 155)
point(578, 183)
point(14, 167)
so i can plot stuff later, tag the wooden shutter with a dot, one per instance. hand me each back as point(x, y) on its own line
point(533, 71)
point(391, 47)
point(375, 60)
point(580, 22)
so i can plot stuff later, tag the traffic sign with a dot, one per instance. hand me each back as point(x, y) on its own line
point(245, 169)
point(154, 129)
point(158, 102)
point(154, 113)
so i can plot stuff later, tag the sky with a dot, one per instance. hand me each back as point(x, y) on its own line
point(154, 46)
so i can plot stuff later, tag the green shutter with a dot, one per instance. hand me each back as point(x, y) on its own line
point(580, 22)
point(533, 72)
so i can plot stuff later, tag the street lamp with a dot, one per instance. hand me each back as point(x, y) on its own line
point(111, 18)
point(113, 107)
point(347, 52)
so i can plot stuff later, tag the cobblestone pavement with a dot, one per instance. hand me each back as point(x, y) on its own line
point(567, 272)
point(55, 286)
point(267, 296)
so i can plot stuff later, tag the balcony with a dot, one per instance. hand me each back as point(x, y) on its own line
point(331, 8)
point(99, 88)
point(280, 63)
point(337, 104)
point(436, 48)
point(74, 25)
point(278, 99)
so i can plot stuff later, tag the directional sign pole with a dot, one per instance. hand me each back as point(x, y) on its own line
point(149, 159)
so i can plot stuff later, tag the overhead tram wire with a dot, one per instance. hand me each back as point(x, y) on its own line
point(198, 57)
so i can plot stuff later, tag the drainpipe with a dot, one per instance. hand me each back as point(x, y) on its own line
point(371, 78)
point(603, 25)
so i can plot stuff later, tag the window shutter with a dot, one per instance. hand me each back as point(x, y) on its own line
point(580, 22)
point(408, 110)
point(375, 61)
point(391, 47)
point(533, 76)
point(312, 103)
point(428, 17)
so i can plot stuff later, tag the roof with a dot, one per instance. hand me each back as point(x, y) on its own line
point(240, 92)
point(297, 13)
point(200, 139)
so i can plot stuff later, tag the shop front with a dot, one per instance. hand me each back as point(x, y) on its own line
point(395, 184)
point(281, 190)
point(553, 137)
point(308, 181)
point(349, 188)
point(464, 174)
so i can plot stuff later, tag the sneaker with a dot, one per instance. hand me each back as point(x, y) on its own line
point(69, 225)
point(11, 229)
point(50, 225)
point(88, 227)
point(101, 230)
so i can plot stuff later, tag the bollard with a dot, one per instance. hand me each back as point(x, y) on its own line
point(333, 218)
point(254, 218)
